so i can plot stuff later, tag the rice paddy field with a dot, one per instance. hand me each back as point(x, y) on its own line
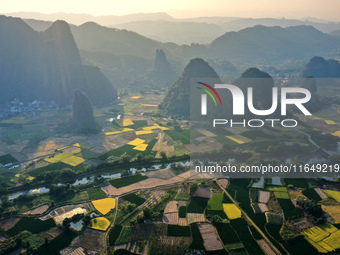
point(333, 211)
point(232, 211)
point(104, 206)
point(325, 238)
point(135, 199)
point(215, 202)
point(125, 181)
point(279, 192)
point(99, 223)
point(333, 194)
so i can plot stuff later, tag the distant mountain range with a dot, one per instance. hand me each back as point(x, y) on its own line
point(177, 32)
point(255, 45)
point(164, 28)
point(78, 19)
point(46, 65)
point(127, 58)
point(261, 44)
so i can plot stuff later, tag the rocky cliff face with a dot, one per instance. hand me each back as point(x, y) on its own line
point(177, 99)
point(161, 67)
point(46, 65)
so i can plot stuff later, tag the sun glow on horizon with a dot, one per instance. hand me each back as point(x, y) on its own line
point(327, 9)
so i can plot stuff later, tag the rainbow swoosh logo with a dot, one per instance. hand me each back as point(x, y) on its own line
point(209, 93)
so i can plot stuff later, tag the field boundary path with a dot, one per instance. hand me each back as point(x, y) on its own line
point(106, 241)
point(272, 246)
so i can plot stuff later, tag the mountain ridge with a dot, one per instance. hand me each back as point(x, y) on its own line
point(46, 65)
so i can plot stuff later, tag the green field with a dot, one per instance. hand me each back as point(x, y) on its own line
point(333, 194)
point(6, 159)
point(319, 233)
point(197, 205)
point(239, 187)
point(125, 181)
point(234, 246)
point(227, 233)
point(124, 236)
point(183, 136)
point(289, 210)
point(274, 218)
point(300, 183)
point(77, 197)
point(128, 150)
point(28, 132)
point(133, 198)
point(182, 197)
point(175, 230)
point(32, 225)
point(125, 149)
point(57, 244)
point(56, 167)
point(182, 212)
point(255, 233)
point(35, 241)
point(241, 228)
point(312, 195)
point(114, 234)
point(279, 192)
point(138, 124)
point(96, 193)
point(87, 154)
point(215, 202)
point(197, 240)
point(274, 231)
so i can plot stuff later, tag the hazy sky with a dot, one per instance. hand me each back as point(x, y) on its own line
point(324, 9)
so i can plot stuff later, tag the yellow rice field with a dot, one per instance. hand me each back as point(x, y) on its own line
point(150, 105)
point(155, 126)
point(73, 161)
point(99, 223)
point(231, 211)
point(76, 151)
point(336, 133)
point(239, 139)
point(333, 240)
point(235, 139)
point(104, 205)
point(59, 157)
point(127, 122)
point(330, 122)
point(140, 147)
point(136, 142)
point(119, 132)
point(325, 238)
point(206, 133)
point(142, 132)
point(135, 97)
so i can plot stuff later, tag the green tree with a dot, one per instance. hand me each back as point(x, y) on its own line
point(193, 188)
point(4, 199)
point(163, 155)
